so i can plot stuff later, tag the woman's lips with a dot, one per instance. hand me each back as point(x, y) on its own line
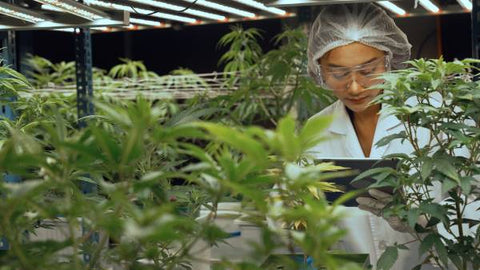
point(358, 100)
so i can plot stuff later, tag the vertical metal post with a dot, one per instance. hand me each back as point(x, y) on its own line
point(9, 57)
point(84, 80)
point(475, 28)
point(83, 66)
point(10, 49)
point(24, 47)
point(83, 69)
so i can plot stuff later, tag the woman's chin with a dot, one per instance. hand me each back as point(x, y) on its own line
point(357, 107)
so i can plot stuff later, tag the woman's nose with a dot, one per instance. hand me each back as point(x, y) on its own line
point(354, 88)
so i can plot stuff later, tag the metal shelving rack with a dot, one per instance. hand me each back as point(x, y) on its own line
point(475, 28)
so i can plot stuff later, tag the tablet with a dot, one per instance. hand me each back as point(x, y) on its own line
point(358, 165)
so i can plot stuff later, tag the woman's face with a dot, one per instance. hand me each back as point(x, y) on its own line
point(350, 70)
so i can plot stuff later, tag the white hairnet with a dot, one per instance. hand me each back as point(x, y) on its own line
point(339, 25)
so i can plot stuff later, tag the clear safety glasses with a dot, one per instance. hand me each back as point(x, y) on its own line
point(340, 78)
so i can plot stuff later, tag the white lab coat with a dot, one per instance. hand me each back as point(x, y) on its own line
point(367, 233)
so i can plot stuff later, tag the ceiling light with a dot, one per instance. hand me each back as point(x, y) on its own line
point(140, 11)
point(428, 5)
point(51, 8)
point(298, 3)
point(70, 30)
point(392, 7)
point(75, 8)
point(173, 17)
point(103, 28)
point(117, 6)
point(21, 13)
point(49, 25)
point(466, 4)
point(261, 6)
point(223, 8)
point(145, 22)
point(190, 11)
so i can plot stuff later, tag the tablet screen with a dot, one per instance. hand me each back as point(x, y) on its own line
point(359, 165)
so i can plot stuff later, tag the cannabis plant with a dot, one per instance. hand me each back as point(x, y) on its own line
point(441, 99)
point(137, 162)
point(12, 83)
point(42, 72)
point(244, 51)
point(131, 69)
point(269, 86)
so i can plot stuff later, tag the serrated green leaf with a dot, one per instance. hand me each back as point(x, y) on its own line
point(426, 244)
point(388, 258)
point(447, 185)
point(434, 209)
point(412, 217)
point(427, 168)
point(466, 184)
point(445, 167)
point(312, 132)
point(441, 250)
point(370, 173)
point(387, 139)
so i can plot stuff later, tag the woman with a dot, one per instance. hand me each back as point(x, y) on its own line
point(348, 46)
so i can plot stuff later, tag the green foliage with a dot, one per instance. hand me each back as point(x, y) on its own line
point(244, 51)
point(438, 104)
point(183, 79)
point(388, 258)
point(12, 83)
point(269, 85)
point(44, 73)
point(131, 69)
point(133, 152)
point(154, 164)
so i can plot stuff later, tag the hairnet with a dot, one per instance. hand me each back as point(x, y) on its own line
point(339, 25)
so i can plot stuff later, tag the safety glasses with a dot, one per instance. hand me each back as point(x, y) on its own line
point(340, 78)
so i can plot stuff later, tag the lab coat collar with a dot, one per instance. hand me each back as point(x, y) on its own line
point(341, 117)
point(343, 126)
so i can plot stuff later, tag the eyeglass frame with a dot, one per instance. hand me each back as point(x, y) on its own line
point(355, 69)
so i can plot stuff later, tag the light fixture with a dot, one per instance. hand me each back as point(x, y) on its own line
point(297, 3)
point(49, 25)
point(173, 17)
point(72, 29)
point(140, 11)
point(145, 22)
point(117, 6)
point(222, 8)
point(428, 5)
point(466, 4)
point(131, 27)
point(75, 8)
point(392, 7)
point(21, 13)
point(103, 28)
point(261, 6)
point(51, 8)
point(69, 30)
point(190, 11)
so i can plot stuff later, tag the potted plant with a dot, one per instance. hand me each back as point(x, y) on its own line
point(437, 182)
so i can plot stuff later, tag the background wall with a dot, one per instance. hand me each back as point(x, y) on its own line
point(195, 47)
point(422, 34)
point(162, 50)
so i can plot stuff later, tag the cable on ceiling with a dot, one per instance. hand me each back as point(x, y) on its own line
point(191, 5)
point(180, 11)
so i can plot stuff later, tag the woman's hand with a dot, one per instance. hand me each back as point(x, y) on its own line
point(375, 205)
